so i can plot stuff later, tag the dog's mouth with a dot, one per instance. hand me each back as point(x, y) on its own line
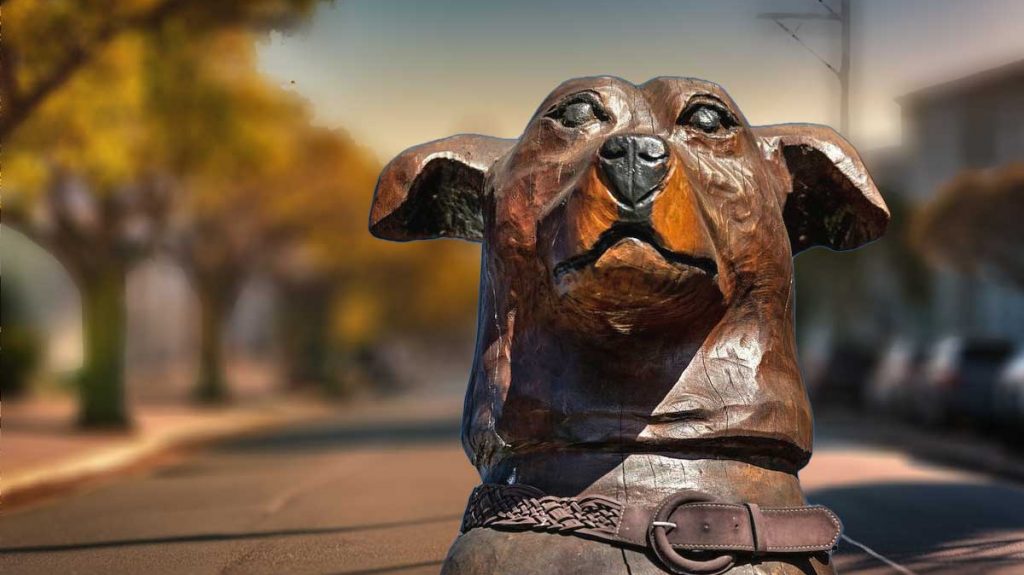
point(642, 232)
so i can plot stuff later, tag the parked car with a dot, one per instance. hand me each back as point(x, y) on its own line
point(1009, 397)
point(842, 376)
point(960, 381)
point(891, 387)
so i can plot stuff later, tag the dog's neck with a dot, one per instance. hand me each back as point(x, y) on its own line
point(646, 478)
point(541, 393)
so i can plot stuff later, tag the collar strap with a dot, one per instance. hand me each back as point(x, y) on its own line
point(686, 522)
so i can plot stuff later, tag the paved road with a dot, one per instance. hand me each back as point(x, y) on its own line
point(310, 499)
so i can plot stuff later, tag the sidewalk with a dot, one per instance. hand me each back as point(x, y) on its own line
point(42, 452)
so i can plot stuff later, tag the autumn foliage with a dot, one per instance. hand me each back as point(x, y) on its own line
point(136, 127)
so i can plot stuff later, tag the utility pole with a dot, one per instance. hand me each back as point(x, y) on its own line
point(844, 67)
point(842, 72)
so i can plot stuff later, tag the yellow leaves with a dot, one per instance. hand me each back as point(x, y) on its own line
point(386, 287)
point(220, 118)
point(24, 179)
point(183, 101)
point(358, 318)
point(95, 125)
point(446, 276)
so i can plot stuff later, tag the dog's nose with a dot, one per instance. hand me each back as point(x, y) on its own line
point(634, 166)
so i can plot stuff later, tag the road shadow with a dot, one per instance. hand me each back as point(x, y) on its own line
point(952, 447)
point(393, 568)
point(332, 434)
point(229, 536)
point(931, 525)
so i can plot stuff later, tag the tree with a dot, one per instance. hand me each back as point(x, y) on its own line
point(227, 132)
point(259, 189)
point(74, 183)
point(346, 292)
point(319, 205)
point(47, 43)
point(343, 291)
point(973, 224)
point(126, 120)
point(85, 168)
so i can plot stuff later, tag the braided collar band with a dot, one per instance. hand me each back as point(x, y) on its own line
point(684, 523)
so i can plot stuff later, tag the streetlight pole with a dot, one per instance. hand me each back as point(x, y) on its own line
point(842, 73)
point(844, 68)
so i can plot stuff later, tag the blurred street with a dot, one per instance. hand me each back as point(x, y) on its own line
point(379, 487)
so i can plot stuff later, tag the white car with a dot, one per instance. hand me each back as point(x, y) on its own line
point(889, 387)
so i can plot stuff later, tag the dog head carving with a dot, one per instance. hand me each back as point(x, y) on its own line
point(636, 290)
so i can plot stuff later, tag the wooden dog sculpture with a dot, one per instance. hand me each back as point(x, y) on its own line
point(635, 404)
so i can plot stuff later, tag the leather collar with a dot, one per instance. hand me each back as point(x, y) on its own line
point(688, 531)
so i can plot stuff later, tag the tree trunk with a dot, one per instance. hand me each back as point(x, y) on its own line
point(101, 383)
point(305, 335)
point(211, 386)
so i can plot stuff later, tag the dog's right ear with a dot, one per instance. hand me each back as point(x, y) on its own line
point(435, 190)
point(831, 200)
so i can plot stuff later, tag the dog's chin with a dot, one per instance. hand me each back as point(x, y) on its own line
point(633, 286)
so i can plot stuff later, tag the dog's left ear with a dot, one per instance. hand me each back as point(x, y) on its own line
point(435, 190)
point(831, 201)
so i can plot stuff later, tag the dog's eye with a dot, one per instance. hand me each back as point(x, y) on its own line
point(578, 111)
point(578, 114)
point(708, 118)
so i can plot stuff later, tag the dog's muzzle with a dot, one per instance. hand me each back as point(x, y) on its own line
point(688, 532)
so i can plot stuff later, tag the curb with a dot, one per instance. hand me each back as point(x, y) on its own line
point(30, 484)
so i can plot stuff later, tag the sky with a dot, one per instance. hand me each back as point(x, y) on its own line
point(395, 73)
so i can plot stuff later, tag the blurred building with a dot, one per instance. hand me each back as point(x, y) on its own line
point(975, 122)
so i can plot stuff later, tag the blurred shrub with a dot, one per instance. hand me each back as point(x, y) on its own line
point(20, 345)
point(974, 224)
